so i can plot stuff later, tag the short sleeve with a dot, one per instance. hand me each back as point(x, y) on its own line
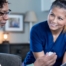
point(35, 40)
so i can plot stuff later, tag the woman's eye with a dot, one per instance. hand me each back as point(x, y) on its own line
point(60, 18)
point(52, 14)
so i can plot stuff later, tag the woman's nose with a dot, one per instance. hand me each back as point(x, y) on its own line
point(54, 20)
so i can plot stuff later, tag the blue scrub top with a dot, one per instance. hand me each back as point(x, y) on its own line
point(41, 39)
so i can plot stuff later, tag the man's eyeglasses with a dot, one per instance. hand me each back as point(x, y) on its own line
point(5, 13)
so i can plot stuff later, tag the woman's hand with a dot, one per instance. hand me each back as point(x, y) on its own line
point(50, 60)
point(46, 60)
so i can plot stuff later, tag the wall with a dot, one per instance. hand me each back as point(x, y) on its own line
point(22, 6)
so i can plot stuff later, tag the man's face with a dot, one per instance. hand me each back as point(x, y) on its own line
point(4, 14)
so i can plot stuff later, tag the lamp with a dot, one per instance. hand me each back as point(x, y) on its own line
point(30, 17)
point(5, 37)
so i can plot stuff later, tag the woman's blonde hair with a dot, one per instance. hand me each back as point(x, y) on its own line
point(64, 29)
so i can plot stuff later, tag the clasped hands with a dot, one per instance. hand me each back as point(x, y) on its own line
point(46, 60)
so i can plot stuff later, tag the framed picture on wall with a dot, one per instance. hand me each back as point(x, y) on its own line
point(15, 22)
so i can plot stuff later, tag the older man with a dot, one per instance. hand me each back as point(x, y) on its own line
point(4, 11)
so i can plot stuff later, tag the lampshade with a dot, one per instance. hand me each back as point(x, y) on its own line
point(30, 17)
point(5, 38)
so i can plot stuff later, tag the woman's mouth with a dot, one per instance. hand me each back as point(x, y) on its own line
point(53, 25)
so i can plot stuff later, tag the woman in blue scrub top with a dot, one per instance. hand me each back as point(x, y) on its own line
point(49, 36)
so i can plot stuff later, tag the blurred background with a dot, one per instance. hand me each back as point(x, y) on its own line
point(23, 6)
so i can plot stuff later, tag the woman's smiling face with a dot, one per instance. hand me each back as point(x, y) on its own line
point(56, 18)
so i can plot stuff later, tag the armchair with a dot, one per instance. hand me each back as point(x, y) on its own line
point(9, 60)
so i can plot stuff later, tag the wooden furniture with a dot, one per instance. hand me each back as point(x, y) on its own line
point(20, 49)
